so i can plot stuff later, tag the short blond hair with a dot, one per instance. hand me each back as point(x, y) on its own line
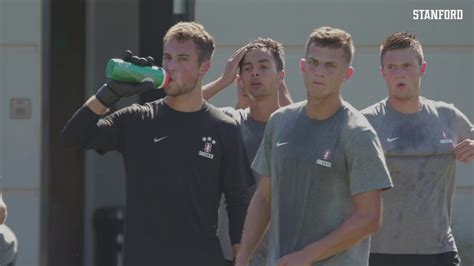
point(194, 31)
point(332, 38)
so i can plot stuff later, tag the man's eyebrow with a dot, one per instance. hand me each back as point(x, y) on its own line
point(264, 61)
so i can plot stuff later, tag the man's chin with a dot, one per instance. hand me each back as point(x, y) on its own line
point(170, 91)
point(173, 92)
point(403, 98)
point(257, 94)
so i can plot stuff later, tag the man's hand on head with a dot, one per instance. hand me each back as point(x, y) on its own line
point(232, 65)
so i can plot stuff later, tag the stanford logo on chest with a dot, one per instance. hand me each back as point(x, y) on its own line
point(445, 139)
point(209, 142)
point(208, 147)
point(326, 155)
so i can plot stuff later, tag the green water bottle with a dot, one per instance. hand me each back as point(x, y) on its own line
point(120, 70)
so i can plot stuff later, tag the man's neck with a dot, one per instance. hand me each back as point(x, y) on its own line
point(189, 102)
point(261, 109)
point(409, 106)
point(321, 109)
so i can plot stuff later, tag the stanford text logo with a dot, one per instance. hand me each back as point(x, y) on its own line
point(437, 14)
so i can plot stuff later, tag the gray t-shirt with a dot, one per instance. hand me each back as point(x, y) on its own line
point(252, 131)
point(316, 166)
point(419, 155)
point(252, 134)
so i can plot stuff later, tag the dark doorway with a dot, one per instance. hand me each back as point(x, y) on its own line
point(62, 169)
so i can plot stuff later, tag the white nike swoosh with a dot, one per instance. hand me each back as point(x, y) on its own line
point(160, 139)
point(278, 144)
point(392, 139)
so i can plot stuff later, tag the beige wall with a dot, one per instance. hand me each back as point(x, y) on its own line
point(20, 77)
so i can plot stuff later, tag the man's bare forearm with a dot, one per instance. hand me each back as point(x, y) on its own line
point(95, 106)
point(214, 87)
point(357, 227)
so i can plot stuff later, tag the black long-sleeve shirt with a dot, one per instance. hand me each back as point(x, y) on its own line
point(177, 165)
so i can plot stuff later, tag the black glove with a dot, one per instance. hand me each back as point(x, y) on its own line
point(111, 92)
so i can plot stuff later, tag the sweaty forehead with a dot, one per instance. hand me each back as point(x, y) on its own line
point(175, 46)
point(399, 56)
point(325, 54)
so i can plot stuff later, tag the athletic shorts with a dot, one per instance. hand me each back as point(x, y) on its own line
point(441, 259)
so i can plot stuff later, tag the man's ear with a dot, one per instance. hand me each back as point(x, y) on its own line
point(349, 73)
point(302, 63)
point(281, 74)
point(423, 68)
point(205, 66)
point(238, 81)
